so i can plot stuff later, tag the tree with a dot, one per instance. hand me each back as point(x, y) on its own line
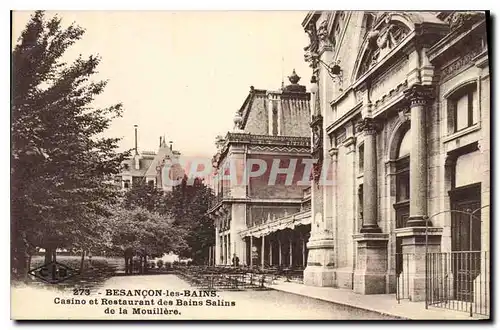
point(61, 166)
point(145, 196)
point(188, 204)
point(142, 230)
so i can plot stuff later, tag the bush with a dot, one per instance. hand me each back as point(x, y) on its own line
point(159, 263)
point(168, 265)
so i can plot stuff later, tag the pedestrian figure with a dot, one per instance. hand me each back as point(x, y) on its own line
point(236, 260)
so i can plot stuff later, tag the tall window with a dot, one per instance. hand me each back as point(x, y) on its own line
point(462, 108)
point(403, 180)
point(361, 158)
point(360, 203)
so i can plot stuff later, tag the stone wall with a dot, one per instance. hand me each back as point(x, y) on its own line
point(295, 117)
point(259, 187)
point(258, 120)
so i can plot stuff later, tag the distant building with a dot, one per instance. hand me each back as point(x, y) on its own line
point(147, 166)
point(264, 224)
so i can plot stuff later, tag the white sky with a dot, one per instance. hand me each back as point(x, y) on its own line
point(185, 74)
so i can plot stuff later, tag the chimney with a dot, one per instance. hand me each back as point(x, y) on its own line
point(170, 144)
point(136, 151)
point(160, 141)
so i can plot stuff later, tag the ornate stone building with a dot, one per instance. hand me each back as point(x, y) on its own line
point(262, 221)
point(148, 166)
point(401, 107)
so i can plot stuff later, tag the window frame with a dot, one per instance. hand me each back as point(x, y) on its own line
point(467, 88)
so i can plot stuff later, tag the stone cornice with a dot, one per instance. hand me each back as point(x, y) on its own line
point(349, 115)
point(439, 49)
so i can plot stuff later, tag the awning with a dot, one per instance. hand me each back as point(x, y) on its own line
point(290, 222)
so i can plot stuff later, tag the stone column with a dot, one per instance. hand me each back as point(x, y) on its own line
point(251, 251)
point(303, 252)
point(262, 250)
point(225, 249)
point(217, 245)
point(371, 262)
point(418, 226)
point(228, 252)
point(290, 252)
point(418, 96)
point(270, 252)
point(279, 253)
point(370, 200)
point(237, 211)
point(238, 223)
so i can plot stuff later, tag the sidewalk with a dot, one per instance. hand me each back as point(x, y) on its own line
point(385, 304)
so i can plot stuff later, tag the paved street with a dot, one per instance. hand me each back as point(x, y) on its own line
point(264, 305)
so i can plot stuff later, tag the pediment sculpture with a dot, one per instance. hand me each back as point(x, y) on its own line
point(381, 41)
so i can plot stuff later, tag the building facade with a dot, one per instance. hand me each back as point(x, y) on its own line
point(148, 167)
point(264, 221)
point(401, 106)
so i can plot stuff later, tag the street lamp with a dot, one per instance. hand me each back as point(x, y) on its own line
point(334, 70)
point(313, 87)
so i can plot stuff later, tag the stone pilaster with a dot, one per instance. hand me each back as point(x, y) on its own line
point(418, 97)
point(371, 266)
point(238, 246)
point(321, 259)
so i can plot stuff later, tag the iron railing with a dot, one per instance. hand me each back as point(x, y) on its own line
point(403, 275)
point(459, 280)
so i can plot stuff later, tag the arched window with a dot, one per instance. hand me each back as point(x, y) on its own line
point(405, 145)
point(463, 109)
point(403, 179)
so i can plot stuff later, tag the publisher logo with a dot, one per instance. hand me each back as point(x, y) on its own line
point(53, 272)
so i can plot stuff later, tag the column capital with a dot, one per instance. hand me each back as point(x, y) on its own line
point(419, 94)
point(370, 126)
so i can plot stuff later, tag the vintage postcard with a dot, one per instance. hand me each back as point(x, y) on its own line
point(250, 165)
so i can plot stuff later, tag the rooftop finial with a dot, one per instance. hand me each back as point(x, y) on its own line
point(294, 78)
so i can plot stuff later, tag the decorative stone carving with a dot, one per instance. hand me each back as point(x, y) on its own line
point(311, 55)
point(323, 35)
point(316, 126)
point(463, 60)
point(369, 126)
point(381, 41)
point(464, 19)
point(418, 94)
point(404, 115)
point(317, 147)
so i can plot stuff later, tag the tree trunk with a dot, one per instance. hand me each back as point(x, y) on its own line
point(82, 261)
point(28, 266)
point(49, 254)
